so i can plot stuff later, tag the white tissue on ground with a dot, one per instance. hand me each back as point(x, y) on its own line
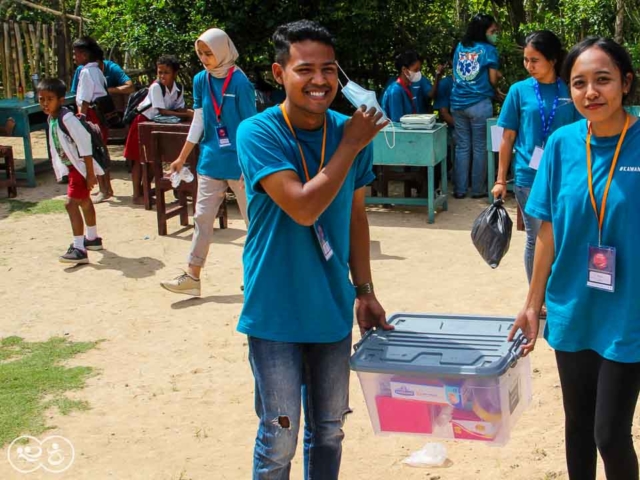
point(431, 455)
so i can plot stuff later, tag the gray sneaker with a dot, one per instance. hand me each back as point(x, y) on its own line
point(74, 255)
point(183, 284)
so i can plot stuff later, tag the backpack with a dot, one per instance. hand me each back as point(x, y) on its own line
point(138, 97)
point(99, 150)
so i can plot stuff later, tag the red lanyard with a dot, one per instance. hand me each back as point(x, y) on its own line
point(408, 92)
point(324, 142)
point(218, 108)
point(612, 170)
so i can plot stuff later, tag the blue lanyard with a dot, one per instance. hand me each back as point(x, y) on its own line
point(546, 124)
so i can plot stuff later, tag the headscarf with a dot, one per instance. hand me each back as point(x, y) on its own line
point(223, 49)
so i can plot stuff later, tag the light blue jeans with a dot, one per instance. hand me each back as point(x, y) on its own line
point(471, 135)
point(291, 376)
point(531, 228)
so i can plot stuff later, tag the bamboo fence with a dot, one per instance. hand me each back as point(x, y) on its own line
point(26, 49)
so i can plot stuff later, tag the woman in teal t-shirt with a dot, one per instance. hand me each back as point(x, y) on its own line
point(475, 74)
point(587, 261)
point(533, 110)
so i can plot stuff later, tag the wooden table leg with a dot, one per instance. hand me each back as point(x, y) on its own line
point(146, 185)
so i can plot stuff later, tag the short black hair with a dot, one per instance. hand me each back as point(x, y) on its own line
point(54, 85)
point(406, 59)
point(614, 50)
point(170, 61)
point(90, 46)
point(549, 45)
point(477, 29)
point(299, 31)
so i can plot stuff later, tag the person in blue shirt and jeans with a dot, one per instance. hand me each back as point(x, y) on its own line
point(587, 261)
point(475, 76)
point(223, 97)
point(305, 168)
point(533, 110)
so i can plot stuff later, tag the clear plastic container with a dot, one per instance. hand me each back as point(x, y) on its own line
point(448, 377)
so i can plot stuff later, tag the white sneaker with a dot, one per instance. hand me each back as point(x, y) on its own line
point(184, 283)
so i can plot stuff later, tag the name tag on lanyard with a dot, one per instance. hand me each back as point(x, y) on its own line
point(534, 162)
point(602, 268)
point(222, 133)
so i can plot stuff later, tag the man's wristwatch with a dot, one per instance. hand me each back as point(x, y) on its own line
point(364, 289)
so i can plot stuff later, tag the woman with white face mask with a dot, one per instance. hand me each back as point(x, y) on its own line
point(411, 92)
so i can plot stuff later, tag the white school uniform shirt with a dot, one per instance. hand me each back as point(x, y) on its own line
point(170, 100)
point(91, 84)
point(75, 146)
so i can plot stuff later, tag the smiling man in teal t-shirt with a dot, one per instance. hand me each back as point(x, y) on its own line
point(305, 169)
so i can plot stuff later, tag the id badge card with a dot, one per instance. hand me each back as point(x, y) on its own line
point(602, 268)
point(223, 136)
point(536, 157)
point(325, 247)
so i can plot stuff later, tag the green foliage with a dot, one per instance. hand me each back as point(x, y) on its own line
point(369, 33)
point(33, 380)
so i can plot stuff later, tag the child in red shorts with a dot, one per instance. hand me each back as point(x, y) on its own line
point(165, 97)
point(71, 155)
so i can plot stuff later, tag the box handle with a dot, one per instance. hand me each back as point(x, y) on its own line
point(361, 341)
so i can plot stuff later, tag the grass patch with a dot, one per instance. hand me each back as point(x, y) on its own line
point(33, 380)
point(22, 208)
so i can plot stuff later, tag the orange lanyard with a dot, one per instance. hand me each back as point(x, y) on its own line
point(600, 216)
point(324, 142)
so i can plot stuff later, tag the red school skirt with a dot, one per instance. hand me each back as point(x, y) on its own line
point(132, 145)
point(92, 116)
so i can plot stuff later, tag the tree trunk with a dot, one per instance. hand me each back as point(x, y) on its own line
point(619, 33)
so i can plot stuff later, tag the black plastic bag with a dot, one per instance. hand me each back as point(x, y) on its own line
point(491, 233)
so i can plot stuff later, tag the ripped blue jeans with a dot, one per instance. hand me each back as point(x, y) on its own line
point(294, 376)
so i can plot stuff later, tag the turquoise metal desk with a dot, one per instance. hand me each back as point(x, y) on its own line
point(29, 118)
point(415, 148)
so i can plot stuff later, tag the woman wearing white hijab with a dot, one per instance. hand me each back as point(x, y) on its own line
point(222, 98)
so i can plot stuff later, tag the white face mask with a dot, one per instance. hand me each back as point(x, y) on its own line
point(415, 76)
point(359, 96)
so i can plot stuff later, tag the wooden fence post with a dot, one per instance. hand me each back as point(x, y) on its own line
point(20, 53)
point(7, 59)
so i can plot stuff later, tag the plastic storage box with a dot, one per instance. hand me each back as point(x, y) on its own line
point(444, 376)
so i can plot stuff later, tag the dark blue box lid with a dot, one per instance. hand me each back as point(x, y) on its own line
point(446, 345)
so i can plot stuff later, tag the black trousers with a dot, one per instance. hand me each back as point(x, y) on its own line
point(599, 399)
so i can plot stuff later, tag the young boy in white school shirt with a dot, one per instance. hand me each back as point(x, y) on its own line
point(72, 156)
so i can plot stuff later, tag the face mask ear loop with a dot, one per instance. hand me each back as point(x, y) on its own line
point(393, 136)
point(340, 68)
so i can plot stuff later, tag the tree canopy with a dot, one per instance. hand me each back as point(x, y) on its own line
point(369, 33)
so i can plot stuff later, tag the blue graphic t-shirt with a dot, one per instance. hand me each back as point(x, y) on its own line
point(579, 317)
point(471, 67)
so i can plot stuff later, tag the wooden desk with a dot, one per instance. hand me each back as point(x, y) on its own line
point(415, 148)
point(29, 118)
point(145, 129)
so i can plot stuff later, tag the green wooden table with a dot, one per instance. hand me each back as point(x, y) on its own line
point(29, 117)
point(414, 148)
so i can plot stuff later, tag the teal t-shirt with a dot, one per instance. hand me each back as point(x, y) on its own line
point(113, 73)
point(396, 102)
point(521, 113)
point(580, 317)
point(239, 103)
point(471, 67)
point(292, 294)
point(443, 95)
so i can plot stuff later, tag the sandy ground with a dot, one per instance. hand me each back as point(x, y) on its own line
point(173, 397)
